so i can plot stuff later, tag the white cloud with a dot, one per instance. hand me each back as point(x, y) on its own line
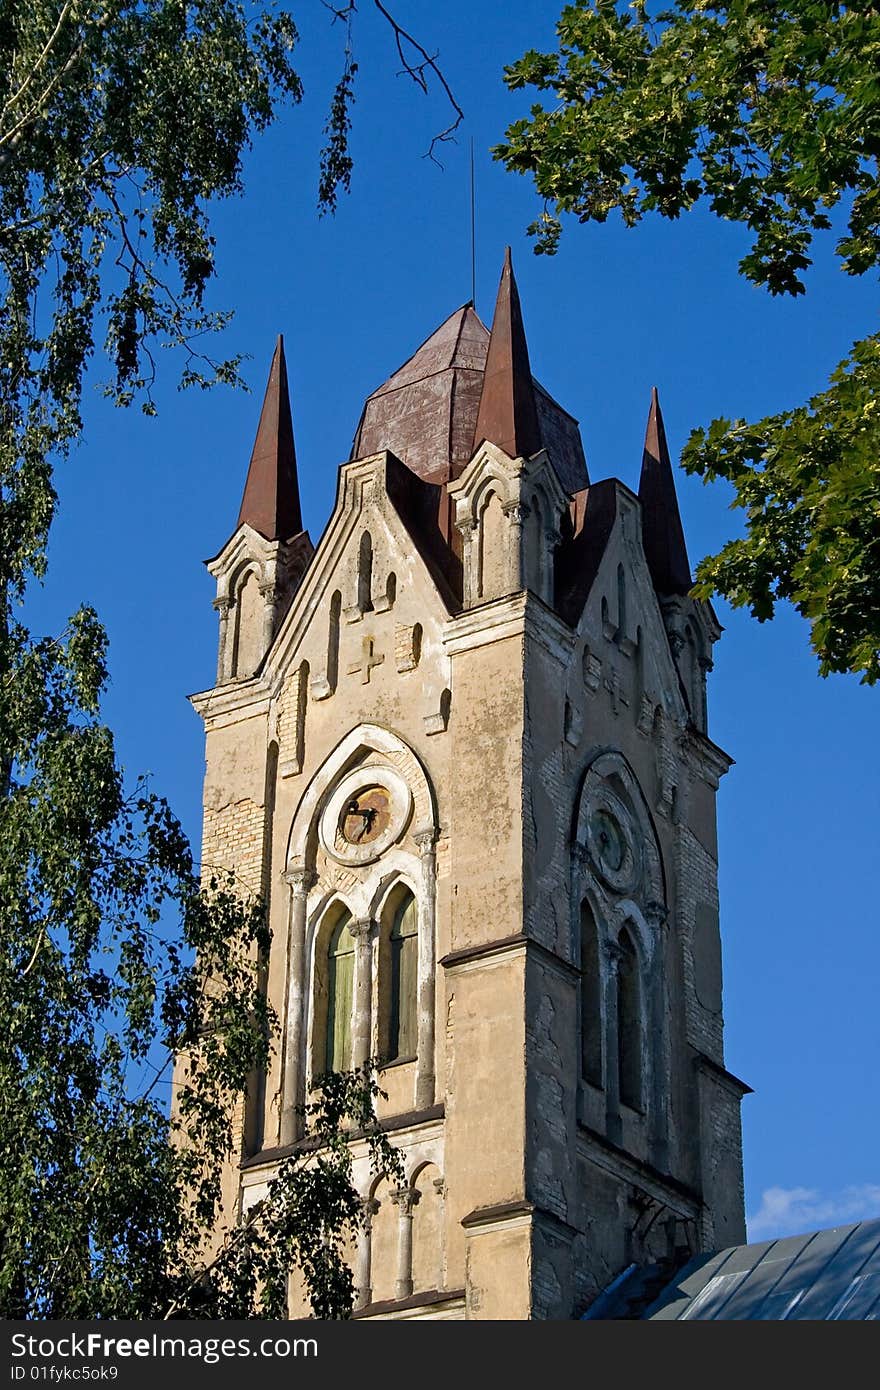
point(789, 1211)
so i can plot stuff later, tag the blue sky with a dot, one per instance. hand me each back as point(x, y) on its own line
point(143, 502)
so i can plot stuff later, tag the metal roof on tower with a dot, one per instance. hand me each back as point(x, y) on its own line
point(508, 415)
point(662, 531)
point(271, 494)
point(425, 413)
point(463, 385)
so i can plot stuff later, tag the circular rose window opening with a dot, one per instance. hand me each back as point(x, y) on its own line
point(609, 839)
point(364, 817)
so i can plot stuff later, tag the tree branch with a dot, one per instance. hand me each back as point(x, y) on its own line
point(418, 72)
point(47, 48)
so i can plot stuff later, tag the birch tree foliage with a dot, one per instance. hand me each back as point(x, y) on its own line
point(121, 123)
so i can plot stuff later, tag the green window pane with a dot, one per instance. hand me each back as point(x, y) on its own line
point(404, 965)
point(340, 996)
point(591, 1008)
point(629, 1025)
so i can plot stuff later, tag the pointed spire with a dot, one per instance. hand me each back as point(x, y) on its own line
point(662, 533)
point(271, 493)
point(508, 415)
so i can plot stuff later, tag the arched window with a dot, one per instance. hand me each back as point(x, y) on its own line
point(534, 576)
point(333, 640)
point(629, 1023)
point(621, 603)
point(591, 1003)
point(401, 1037)
point(340, 994)
point(493, 549)
point(247, 646)
point(365, 574)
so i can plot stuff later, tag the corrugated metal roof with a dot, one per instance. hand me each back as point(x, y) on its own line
point(831, 1275)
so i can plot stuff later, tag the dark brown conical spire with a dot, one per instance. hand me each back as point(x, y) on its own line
point(662, 532)
point(271, 493)
point(508, 415)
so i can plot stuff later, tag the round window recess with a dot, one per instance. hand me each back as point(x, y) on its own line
point(607, 836)
point(368, 811)
point(610, 844)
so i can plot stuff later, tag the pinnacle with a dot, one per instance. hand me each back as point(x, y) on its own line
point(662, 532)
point(271, 495)
point(508, 415)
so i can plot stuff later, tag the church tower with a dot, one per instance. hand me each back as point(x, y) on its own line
point(461, 748)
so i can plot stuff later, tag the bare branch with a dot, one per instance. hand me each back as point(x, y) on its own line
point(419, 71)
point(36, 951)
point(339, 13)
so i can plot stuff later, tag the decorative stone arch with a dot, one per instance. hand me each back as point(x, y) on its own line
point(611, 768)
point(418, 1165)
point(490, 470)
point(491, 473)
point(622, 880)
point(378, 1243)
point(428, 1256)
point(693, 629)
point(627, 913)
point(317, 875)
point(367, 741)
point(493, 483)
point(276, 567)
point(398, 875)
point(248, 551)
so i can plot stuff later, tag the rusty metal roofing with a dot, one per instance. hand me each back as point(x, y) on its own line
point(829, 1276)
point(271, 494)
point(508, 415)
point(561, 437)
point(662, 531)
point(593, 513)
point(427, 412)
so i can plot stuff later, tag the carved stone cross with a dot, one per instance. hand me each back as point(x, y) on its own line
point(615, 690)
point(369, 659)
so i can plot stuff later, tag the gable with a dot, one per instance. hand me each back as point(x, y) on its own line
point(625, 638)
point(371, 592)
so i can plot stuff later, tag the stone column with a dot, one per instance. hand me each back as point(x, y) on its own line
point(470, 585)
point(425, 839)
point(516, 513)
point(268, 593)
point(223, 604)
point(552, 540)
point(405, 1198)
point(293, 1088)
point(363, 1286)
point(658, 1052)
point(706, 664)
point(612, 1061)
point(362, 1029)
point(440, 1189)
